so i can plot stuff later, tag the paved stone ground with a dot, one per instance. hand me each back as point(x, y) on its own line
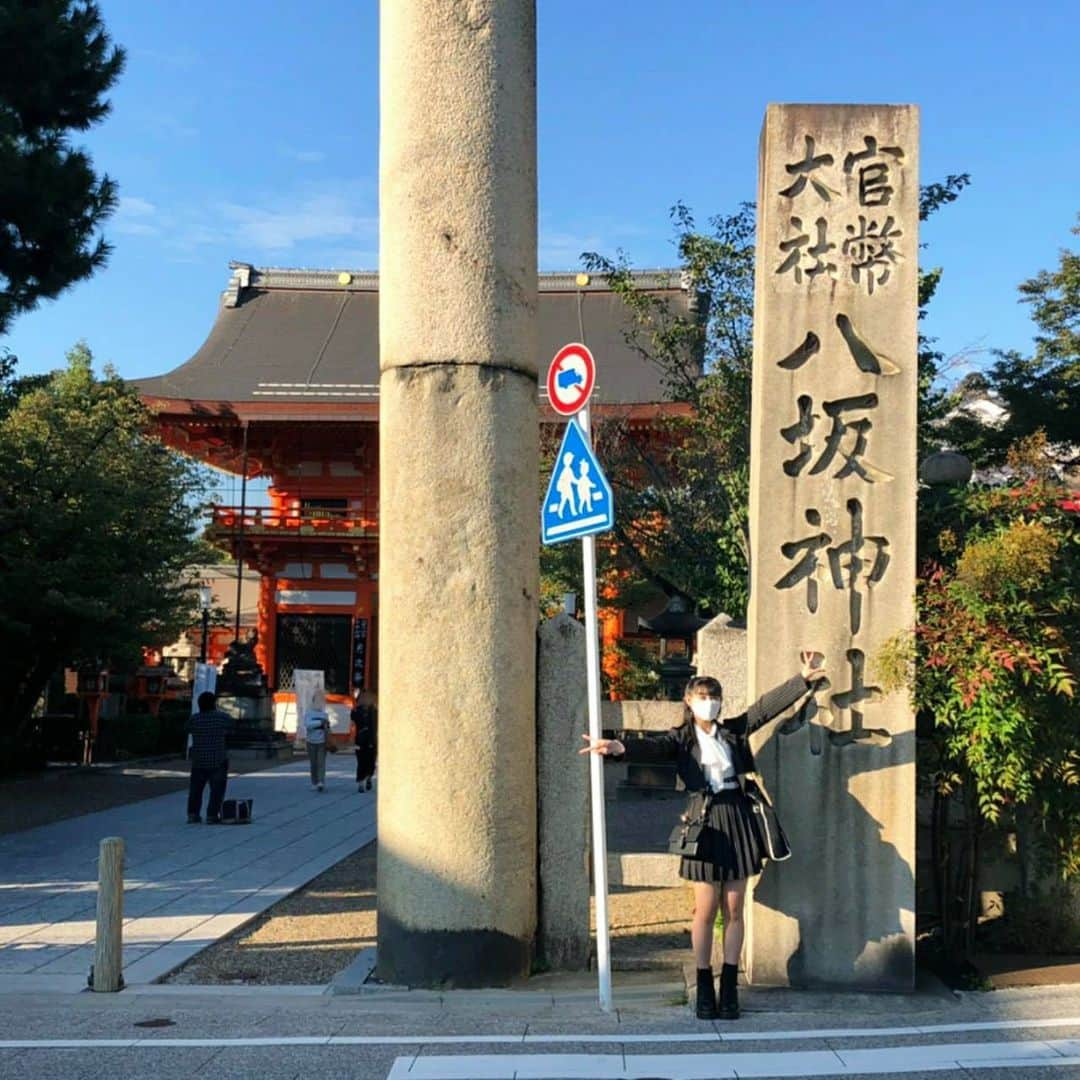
point(305, 939)
point(312, 935)
point(61, 792)
point(185, 885)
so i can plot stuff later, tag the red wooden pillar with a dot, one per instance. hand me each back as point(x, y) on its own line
point(264, 651)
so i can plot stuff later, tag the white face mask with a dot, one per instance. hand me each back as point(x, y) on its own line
point(707, 709)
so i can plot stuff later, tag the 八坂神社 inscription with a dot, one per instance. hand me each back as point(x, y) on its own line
point(833, 441)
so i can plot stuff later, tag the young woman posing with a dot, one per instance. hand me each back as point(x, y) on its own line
point(715, 763)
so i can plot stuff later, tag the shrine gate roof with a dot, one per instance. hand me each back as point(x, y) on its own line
point(312, 336)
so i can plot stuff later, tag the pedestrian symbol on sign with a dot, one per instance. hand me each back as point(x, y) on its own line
point(578, 501)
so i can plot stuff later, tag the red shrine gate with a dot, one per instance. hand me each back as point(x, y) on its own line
point(286, 388)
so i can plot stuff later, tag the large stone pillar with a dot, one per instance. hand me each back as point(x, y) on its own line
point(832, 517)
point(459, 502)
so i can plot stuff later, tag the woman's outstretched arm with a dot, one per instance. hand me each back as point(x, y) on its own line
point(772, 703)
point(662, 747)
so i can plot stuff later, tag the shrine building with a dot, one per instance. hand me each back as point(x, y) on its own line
point(286, 388)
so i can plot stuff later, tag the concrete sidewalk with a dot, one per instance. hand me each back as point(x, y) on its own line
point(279, 1034)
point(186, 886)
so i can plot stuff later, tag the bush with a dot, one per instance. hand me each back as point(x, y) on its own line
point(172, 739)
point(61, 736)
point(141, 735)
point(1045, 925)
point(25, 754)
point(630, 672)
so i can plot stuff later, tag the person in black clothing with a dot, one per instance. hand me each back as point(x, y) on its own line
point(715, 763)
point(209, 759)
point(365, 720)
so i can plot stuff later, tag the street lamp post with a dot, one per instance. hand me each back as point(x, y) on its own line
point(206, 598)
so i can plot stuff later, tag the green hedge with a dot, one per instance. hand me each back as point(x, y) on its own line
point(21, 755)
point(143, 735)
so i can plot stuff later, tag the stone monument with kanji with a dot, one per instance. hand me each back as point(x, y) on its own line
point(832, 515)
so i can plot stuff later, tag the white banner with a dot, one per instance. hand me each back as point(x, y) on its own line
point(205, 679)
point(305, 683)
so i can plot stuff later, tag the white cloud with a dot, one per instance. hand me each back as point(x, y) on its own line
point(168, 127)
point(560, 248)
point(134, 206)
point(332, 223)
point(182, 59)
point(307, 157)
point(321, 216)
point(135, 217)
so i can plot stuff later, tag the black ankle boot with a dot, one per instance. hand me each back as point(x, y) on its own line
point(729, 993)
point(706, 994)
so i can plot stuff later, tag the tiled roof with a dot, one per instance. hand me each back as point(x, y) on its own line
point(313, 335)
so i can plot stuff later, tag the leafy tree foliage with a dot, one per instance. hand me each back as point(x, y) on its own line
point(56, 64)
point(935, 401)
point(97, 526)
point(681, 485)
point(993, 668)
point(996, 652)
point(1040, 391)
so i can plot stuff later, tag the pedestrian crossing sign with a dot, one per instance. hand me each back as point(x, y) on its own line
point(578, 500)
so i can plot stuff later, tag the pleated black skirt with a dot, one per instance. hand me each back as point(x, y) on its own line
point(730, 847)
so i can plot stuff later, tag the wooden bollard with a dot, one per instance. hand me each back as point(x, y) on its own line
point(108, 950)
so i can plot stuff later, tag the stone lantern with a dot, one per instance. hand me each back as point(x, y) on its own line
point(676, 626)
point(92, 687)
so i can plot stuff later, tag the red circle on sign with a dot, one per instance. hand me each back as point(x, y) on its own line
point(569, 399)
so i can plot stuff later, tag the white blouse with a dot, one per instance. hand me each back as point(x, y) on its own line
point(716, 759)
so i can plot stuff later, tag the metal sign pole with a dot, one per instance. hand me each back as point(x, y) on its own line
point(596, 764)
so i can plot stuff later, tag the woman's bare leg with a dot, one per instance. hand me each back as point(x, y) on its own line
point(706, 905)
point(734, 900)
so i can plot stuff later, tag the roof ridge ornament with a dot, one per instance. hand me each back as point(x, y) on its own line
point(240, 280)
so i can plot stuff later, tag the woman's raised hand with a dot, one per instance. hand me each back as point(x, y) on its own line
point(602, 746)
point(813, 665)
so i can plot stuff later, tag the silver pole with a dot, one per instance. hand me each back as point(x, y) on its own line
point(596, 764)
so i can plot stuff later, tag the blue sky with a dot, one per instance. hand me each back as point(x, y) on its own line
point(250, 131)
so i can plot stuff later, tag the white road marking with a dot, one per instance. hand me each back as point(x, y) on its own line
point(711, 1066)
point(707, 1035)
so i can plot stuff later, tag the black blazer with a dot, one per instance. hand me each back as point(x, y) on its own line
point(681, 746)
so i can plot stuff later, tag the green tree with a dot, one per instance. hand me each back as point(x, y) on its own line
point(1040, 391)
point(56, 64)
point(935, 400)
point(98, 524)
point(993, 668)
point(681, 487)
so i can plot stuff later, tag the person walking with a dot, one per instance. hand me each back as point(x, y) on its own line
point(208, 729)
point(317, 736)
point(365, 727)
point(716, 765)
